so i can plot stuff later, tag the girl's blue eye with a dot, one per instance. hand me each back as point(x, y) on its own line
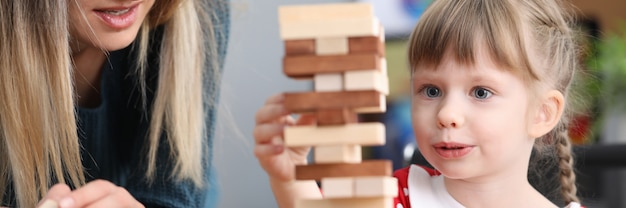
point(481, 93)
point(431, 91)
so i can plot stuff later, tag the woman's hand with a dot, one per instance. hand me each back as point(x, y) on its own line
point(98, 193)
point(277, 160)
point(54, 196)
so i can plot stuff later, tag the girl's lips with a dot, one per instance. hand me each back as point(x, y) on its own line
point(452, 150)
point(118, 18)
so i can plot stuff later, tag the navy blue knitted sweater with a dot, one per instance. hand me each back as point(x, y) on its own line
point(114, 133)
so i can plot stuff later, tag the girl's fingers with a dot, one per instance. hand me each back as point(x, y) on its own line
point(306, 119)
point(269, 113)
point(264, 133)
point(275, 99)
point(274, 147)
point(272, 110)
point(265, 150)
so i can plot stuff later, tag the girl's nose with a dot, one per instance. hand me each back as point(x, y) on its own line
point(450, 114)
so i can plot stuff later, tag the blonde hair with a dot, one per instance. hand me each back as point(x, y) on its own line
point(529, 38)
point(38, 133)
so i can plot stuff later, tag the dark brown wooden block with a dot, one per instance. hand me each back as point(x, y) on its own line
point(340, 116)
point(307, 66)
point(313, 101)
point(366, 45)
point(300, 47)
point(356, 45)
point(366, 168)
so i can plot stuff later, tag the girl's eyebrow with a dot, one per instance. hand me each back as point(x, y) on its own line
point(483, 77)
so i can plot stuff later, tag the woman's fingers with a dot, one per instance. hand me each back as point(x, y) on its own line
point(120, 198)
point(54, 195)
point(88, 194)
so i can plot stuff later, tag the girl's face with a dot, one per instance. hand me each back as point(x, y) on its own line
point(106, 24)
point(470, 121)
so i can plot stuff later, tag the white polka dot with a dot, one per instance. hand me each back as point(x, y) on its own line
point(399, 206)
point(406, 191)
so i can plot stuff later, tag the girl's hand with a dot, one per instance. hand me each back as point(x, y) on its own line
point(277, 160)
point(98, 193)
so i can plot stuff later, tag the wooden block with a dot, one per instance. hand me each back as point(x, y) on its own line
point(337, 154)
point(366, 45)
point(331, 46)
point(368, 79)
point(375, 109)
point(328, 82)
point(323, 12)
point(356, 45)
point(366, 168)
point(376, 186)
point(340, 116)
point(338, 187)
point(312, 101)
point(307, 66)
point(300, 47)
point(369, 26)
point(366, 134)
point(377, 202)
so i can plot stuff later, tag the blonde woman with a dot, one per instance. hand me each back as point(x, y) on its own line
point(112, 100)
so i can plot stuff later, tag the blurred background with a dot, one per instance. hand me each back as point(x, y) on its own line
point(253, 72)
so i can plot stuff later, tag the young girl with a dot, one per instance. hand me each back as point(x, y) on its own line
point(114, 98)
point(490, 82)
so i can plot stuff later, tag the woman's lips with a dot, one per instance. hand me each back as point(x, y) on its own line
point(451, 150)
point(118, 18)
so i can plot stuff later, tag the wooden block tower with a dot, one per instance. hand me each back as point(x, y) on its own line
point(341, 48)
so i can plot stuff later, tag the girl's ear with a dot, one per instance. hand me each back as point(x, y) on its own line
point(547, 115)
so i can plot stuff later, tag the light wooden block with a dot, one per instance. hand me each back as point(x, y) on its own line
point(312, 101)
point(367, 80)
point(366, 134)
point(336, 28)
point(376, 186)
point(323, 12)
point(307, 66)
point(337, 154)
point(328, 82)
point(300, 47)
point(331, 46)
point(365, 168)
point(377, 202)
point(338, 187)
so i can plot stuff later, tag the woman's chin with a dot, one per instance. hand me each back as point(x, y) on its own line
point(115, 43)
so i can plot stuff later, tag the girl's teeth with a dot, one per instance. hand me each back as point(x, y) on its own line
point(117, 12)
